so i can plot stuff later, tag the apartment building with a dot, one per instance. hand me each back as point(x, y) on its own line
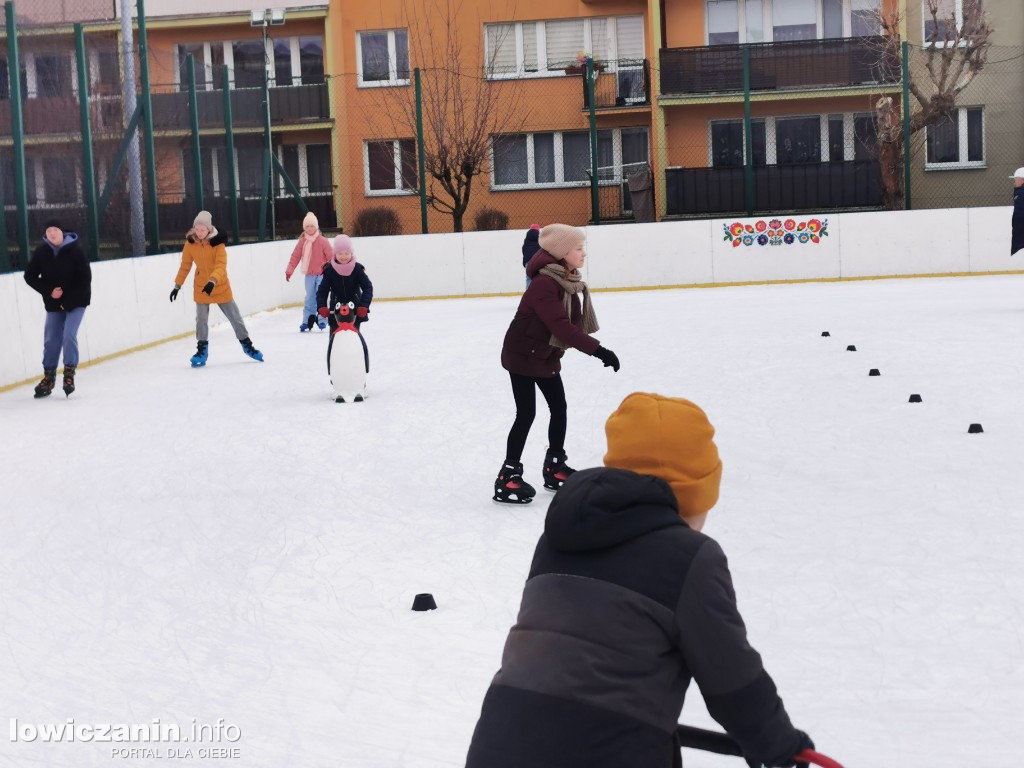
point(964, 161)
point(221, 38)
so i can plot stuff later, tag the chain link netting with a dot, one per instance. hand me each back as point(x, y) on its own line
point(499, 150)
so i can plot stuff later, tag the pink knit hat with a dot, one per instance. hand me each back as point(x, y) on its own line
point(310, 218)
point(343, 243)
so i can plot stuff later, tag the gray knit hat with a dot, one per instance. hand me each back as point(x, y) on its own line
point(559, 239)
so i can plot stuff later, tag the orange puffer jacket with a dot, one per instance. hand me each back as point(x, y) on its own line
point(211, 260)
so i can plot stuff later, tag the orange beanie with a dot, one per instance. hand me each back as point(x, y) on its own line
point(670, 438)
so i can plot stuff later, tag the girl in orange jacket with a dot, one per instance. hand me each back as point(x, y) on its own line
point(204, 247)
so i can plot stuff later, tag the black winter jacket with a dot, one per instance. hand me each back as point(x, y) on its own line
point(624, 604)
point(356, 288)
point(1017, 241)
point(68, 269)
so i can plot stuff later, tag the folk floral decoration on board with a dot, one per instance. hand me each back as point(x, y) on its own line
point(776, 232)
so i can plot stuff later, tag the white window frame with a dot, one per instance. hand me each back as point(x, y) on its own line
point(961, 164)
point(771, 155)
point(958, 13)
point(207, 75)
point(393, 79)
point(39, 178)
point(767, 24)
point(303, 181)
point(559, 158)
point(399, 191)
point(542, 70)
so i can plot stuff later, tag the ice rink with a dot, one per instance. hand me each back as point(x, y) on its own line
point(228, 544)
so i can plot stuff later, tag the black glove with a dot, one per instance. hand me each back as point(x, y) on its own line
point(174, 293)
point(805, 743)
point(607, 357)
point(208, 288)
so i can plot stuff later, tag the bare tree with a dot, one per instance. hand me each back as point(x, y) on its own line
point(954, 53)
point(462, 107)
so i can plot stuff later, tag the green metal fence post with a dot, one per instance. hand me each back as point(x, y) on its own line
point(147, 113)
point(229, 144)
point(906, 126)
point(420, 153)
point(88, 171)
point(17, 131)
point(595, 205)
point(748, 136)
point(197, 155)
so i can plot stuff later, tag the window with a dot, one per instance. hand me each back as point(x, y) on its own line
point(836, 138)
point(727, 147)
point(250, 59)
point(5, 83)
point(957, 141)
point(723, 22)
point(53, 76)
point(865, 137)
point(318, 169)
point(943, 26)
point(797, 140)
point(282, 62)
point(383, 57)
point(548, 47)
point(832, 18)
point(390, 166)
point(59, 180)
point(552, 159)
point(864, 18)
point(311, 60)
point(198, 51)
point(107, 74)
point(249, 164)
point(794, 20)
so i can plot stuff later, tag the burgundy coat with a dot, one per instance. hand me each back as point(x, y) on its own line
point(541, 314)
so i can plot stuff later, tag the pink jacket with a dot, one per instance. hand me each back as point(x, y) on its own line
point(321, 256)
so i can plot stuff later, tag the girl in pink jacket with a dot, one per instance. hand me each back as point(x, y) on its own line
point(311, 253)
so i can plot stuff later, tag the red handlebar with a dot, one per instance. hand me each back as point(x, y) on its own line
point(816, 758)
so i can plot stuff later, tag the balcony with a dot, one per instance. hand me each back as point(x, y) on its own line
point(804, 187)
point(795, 65)
point(289, 106)
point(620, 83)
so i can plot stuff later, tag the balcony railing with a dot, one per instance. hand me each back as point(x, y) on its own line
point(620, 83)
point(800, 64)
point(804, 187)
point(289, 105)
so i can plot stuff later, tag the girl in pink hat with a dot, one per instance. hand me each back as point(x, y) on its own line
point(311, 253)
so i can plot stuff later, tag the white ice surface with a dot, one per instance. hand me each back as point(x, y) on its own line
point(229, 543)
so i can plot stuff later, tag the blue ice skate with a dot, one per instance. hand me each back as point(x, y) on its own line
point(250, 350)
point(202, 352)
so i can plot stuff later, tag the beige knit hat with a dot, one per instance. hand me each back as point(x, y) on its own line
point(310, 218)
point(559, 239)
point(205, 218)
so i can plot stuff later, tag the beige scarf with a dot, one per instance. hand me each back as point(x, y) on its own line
point(572, 283)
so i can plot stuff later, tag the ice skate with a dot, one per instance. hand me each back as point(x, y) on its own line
point(510, 488)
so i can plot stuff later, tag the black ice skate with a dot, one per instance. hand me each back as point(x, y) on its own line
point(45, 387)
point(69, 380)
point(510, 488)
point(556, 471)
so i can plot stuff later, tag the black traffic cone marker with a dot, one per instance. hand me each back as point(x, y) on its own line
point(851, 348)
point(874, 372)
point(915, 398)
point(825, 333)
point(974, 429)
point(424, 602)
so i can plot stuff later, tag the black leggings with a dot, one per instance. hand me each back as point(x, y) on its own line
point(526, 409)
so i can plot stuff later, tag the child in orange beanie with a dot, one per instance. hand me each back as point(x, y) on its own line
point(626, 602)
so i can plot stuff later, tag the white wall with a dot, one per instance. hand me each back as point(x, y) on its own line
point(130, 304)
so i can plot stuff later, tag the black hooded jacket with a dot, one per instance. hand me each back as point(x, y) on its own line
point(624, 604)
point(66, 267)
point(1017, 241)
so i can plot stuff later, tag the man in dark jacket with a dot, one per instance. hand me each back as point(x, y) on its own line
point(1017, 240)
point(626, 601)
point(59, 271)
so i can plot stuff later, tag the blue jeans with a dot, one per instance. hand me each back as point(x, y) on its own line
point(61, 332)
point(312, 284)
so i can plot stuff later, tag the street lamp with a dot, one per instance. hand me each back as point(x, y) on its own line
point(263, 18)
